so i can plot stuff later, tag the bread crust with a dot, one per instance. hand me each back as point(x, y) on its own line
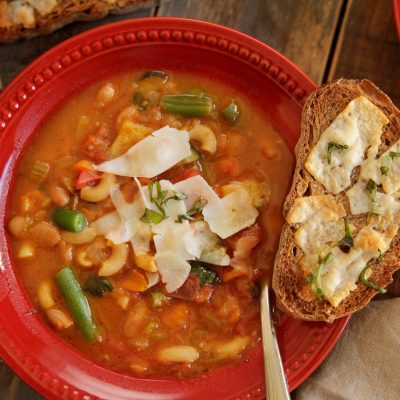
point(320, 109)
point(64, 13)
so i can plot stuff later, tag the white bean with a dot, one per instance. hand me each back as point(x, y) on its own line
point(179, 354)
point(45, 295)
point(58, 318)
point(86, 236)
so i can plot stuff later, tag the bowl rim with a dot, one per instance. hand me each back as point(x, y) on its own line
point(396, 15)
point(248, 49)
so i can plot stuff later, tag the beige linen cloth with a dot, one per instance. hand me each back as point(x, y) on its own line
point(365, 363)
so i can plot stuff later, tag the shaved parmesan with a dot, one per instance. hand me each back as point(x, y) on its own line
point(153, 278)
point(174, 270)
point(358, 127)
point(305, 208)
point(231, 214)
point(151, 156)
point(205, 245)
point(106, 223)
point(196, 187)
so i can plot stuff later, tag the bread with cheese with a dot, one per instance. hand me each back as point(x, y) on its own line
point(28, 18)
point(357, 180)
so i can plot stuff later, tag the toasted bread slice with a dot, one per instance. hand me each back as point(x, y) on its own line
point(28, 18)
point(293, 293)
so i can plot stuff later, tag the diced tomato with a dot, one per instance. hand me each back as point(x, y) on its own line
point(188, 290)
point(97, 144)
point(86, 178)
point(245, 241)
point(203, 294)
point(144, 181)
point(186, 174)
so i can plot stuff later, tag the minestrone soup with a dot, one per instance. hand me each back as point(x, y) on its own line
point(142, 218)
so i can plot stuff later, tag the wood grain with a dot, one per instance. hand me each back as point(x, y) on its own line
point(302, 30)
point(16, 56)
point(368, 46)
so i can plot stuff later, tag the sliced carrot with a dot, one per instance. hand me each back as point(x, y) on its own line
point(135, 282)
point(82, 165)
point(186, 174)
point(175, 315)
point(203, 294)
point(230, 273)
point(33, 201)
point(86, 177)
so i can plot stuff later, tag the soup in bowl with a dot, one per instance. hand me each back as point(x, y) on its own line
point(179, 127)
point(143, 216)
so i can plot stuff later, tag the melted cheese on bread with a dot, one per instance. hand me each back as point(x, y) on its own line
point(319, 220)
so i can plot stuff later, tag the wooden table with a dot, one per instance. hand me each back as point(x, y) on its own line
point(327, 39)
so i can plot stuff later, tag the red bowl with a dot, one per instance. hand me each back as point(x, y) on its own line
point(396, 13)
point(268, 80)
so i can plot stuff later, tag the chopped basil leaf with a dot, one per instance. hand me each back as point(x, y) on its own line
point(140, 101)
point(347, 241)
point(394, 154)
point(159, 199)
point(97, 285)
point(197, 208)
point(335, 146)
point(385, 170)
point(204, 272)
point(152, 217)
point(315, 279)
point(366, 282)
point(371, 189)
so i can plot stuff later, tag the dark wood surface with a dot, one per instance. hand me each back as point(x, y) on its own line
point(327, 39)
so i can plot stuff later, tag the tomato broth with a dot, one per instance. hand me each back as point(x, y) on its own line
point(104, 288)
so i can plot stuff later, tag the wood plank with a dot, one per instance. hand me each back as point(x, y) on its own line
point(301, 30)
point(16, 56)
point(368, 46)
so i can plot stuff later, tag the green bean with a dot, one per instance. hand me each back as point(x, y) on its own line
point(188, 105)
point(77, 302)
point(69, 220)
point(231, 112)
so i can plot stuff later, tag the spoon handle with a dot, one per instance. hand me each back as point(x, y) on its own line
point(275, 379)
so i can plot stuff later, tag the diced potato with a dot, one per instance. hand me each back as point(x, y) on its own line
point(129, 134)
point(26, 251)
point(33, 201)
point(45, 295)
point(178, 354)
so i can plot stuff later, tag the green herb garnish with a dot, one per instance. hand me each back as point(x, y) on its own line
point(394, 154)
point(335, 146)
point(204, 272)
point(366, 282)
point(347, 241)
point(197, 208)
point(159, 198)
point(152, 217)
point(97, 285)
point(371, 191)
point(385, 170)
point(315, 279)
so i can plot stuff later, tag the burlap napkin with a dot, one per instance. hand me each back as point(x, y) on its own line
point(365, 363)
